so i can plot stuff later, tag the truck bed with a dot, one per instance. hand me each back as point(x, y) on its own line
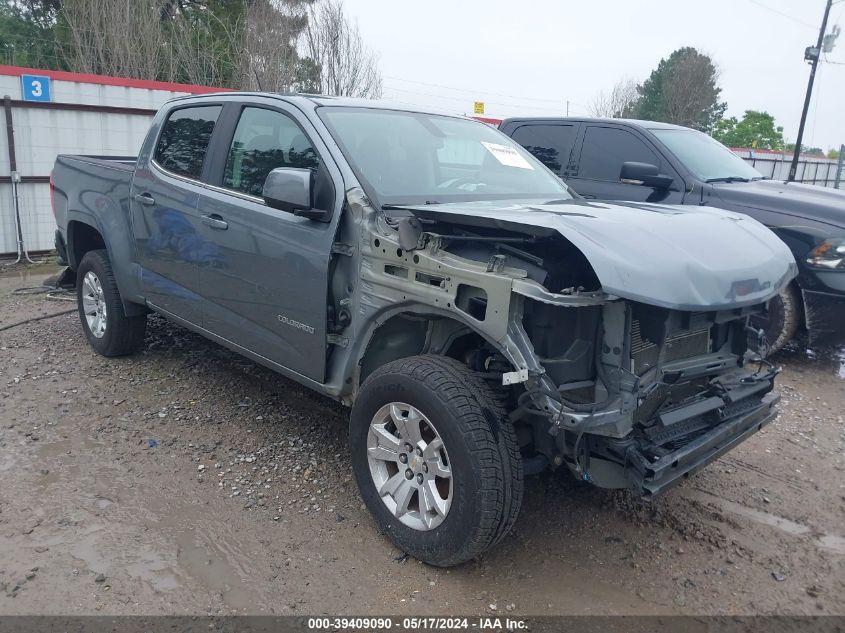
point(125, 163)
point(93, 190)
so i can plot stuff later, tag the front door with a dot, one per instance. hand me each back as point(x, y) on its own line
point(603, 151)
point(165, 221)
point(267, 290)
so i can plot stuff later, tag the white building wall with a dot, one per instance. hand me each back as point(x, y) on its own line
point(41, 134)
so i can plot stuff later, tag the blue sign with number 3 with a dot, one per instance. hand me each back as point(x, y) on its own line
point(36, 88)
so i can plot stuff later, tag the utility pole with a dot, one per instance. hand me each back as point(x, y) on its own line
point(839, 166)
point(810, 54)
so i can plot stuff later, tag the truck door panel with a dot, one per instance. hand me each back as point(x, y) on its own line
point(267, 289)
point(165, 221)
point(603, 150)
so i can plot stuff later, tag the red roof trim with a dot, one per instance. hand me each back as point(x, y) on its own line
point(777, 152)
point(487, 120)
point(105, 80)
point(759, 150)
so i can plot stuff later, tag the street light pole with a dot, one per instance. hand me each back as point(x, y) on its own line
point(814, 55)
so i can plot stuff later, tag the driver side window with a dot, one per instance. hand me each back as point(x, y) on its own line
point(263, 141)
point(605, 149)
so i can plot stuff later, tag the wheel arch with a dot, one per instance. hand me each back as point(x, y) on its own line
point(412, 330)
point(84, 233)
point(83, 236)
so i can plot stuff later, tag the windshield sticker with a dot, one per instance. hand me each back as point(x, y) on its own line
point(508, 156)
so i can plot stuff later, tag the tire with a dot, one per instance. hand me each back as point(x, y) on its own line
point(784, 318)
point(109, 331)
point(480, 448)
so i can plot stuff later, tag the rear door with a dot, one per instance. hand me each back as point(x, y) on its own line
point(165, 223)
point(603, 150)
point(267, 289)
point(551, 143)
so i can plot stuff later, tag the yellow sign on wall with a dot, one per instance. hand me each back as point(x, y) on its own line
point(479, 107)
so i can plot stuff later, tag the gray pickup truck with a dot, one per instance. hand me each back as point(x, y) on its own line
point(482, 322)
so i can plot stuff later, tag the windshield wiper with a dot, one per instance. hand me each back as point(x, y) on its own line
point(394, 206)
point(729, 179)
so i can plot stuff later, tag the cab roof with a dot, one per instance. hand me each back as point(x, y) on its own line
point(649, 125)
point(312, 101)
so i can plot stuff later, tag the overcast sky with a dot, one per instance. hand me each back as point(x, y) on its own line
point(530, 57)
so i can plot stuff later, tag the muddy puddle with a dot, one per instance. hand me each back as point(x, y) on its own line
point(18, 276)
point(831, 542)
point(801, 358)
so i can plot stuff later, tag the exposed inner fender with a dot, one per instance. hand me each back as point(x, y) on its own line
point(516, 353)
point(467, 286)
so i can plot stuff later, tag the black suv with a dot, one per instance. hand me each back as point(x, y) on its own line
point(646, 161)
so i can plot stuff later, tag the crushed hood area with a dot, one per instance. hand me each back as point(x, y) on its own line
point(682, 258)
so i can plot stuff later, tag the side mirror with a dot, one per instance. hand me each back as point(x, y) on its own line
point(646, 174)
point(290, 189)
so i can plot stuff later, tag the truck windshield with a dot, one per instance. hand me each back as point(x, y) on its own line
point(706, 158)
point(413, 158)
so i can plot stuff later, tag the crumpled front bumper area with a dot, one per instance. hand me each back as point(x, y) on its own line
point(652, 476)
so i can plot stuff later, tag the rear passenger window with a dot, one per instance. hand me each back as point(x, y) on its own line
point(264, 140)
point(184, 139)
point(605, 149)
point(550, 144)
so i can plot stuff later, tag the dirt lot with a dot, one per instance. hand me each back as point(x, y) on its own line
point(188, 480)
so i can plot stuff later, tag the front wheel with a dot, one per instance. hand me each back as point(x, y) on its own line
point(435, 458)
point(107, 328)
point(782, 319)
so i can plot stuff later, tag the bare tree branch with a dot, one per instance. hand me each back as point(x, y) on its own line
point(345, 64)
point(269, 58)
point(114, 38)
point(620, 102)
point(270, 45)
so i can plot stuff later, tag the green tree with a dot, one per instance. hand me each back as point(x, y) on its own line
point(683, 90)
point(833, 153)
point(806, 149)
point(755, 129)
point(27, 35)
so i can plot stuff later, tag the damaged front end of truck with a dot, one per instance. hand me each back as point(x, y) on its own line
point(616, 335)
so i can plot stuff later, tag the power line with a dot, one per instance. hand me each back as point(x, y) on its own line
point(782, 14)
point(464, 101)
point(482, 92)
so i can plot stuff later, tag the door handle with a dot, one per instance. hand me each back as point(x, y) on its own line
point(145, 199)
point(215, 222)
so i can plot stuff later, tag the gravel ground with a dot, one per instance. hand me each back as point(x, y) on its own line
point(188, 480)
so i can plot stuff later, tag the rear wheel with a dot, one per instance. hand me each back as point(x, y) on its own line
point(107, 328)
point(435, 458)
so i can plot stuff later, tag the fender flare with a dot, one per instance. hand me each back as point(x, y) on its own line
point(127, 283)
